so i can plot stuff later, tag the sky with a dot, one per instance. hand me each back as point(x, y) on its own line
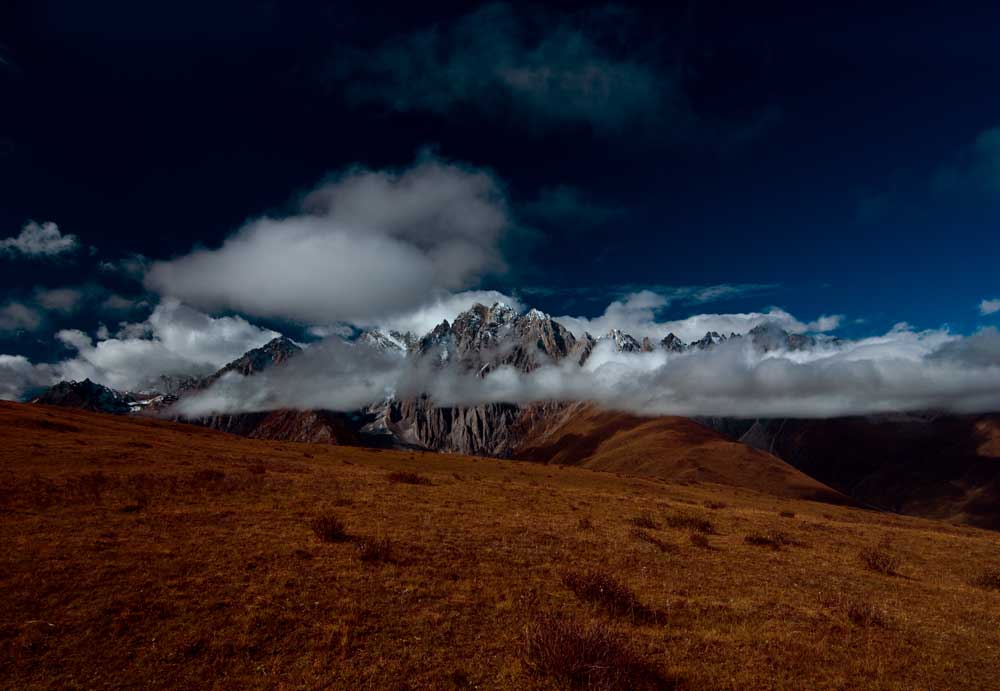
point(206, 175)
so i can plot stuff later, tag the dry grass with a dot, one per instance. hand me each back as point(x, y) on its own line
point(700, 540)
point(988, 578)
point(583, 656)
point(408, 478)
point(375, 550)
point(686, 522)
point(329, 528)
point(775, 539)
point(219, 581)
point(613, 597)
point(880, 560)
point(645, 521)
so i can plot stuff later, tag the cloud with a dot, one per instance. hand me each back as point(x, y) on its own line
point(989, 307)
point(18, 376)
point(173, 340)
point(975, 170)
point(903, 370)
point(17, 316)
point(565, 206)
point(366, 244)
point(636, 314)
point(64, 300)
point(44, 240)
point(425, 317)
point(552, 69)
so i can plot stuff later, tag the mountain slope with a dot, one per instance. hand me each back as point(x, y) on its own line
point(672, 448)
point(143, 554)
point(938, 466)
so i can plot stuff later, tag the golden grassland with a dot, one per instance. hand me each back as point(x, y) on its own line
point(142, 554)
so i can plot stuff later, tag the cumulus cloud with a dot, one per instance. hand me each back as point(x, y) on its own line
point(17, 316)
point(989, 307)
point(552, 69)
point(367, 244)
point(39, 240)
point(18, 375)
point(174, 340)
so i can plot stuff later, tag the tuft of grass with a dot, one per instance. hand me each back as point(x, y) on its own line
point(775, 539)
point(880, 560)
point(700, 540)
point(988, 578)
point(581, 656)
point(408, 478)
point(614, 597)
point(329, 528)
point(860, 611)
point(685, 522)
point(374, 550)
point(644, 521)
point(643, 536)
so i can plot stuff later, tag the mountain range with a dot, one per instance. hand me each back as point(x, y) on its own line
point(942, 466)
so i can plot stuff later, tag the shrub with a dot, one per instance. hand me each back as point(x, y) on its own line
point(989, 578)
point(584, 524)
point(787, 514)
point(644, 521)
point(774, 539)
point(375, 549)
point(408, 478)
point(329, 528)
point(860, 612)
point(586, 657)
point(699, 540)
point(643, 536)
point(880, 560)
point(613, 597)
point(715, 505)
point(685, 522)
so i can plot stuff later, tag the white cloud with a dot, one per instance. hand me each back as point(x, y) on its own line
point(40, 240)
point(636, 314)
point(16, 316)
point(18, 375)
point(368, 244)
point(424, 318)
point(899, 371)
point(989, 306)
point(174, 340)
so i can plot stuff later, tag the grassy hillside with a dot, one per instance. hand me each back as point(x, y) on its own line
point(155, 555)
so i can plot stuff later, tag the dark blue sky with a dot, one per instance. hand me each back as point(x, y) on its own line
point(844, 155)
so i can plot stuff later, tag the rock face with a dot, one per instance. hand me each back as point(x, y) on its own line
point(86, 395)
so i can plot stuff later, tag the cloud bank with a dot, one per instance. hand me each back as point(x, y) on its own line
point(367, 244)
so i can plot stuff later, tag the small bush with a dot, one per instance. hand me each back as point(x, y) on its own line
point(644, 521)
point(715, 505)
point(859, 611)
point(775, 539)
point(141, 503)
point(685, 522)
point(374, 550)
point(989, 579)
point(878, 559)
point(699, 540)
point(584, 524)
point(643, 536)
point(329, 528)
point(408, 478)
point(613, 597)
point(787, 514)
point(587, 657)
